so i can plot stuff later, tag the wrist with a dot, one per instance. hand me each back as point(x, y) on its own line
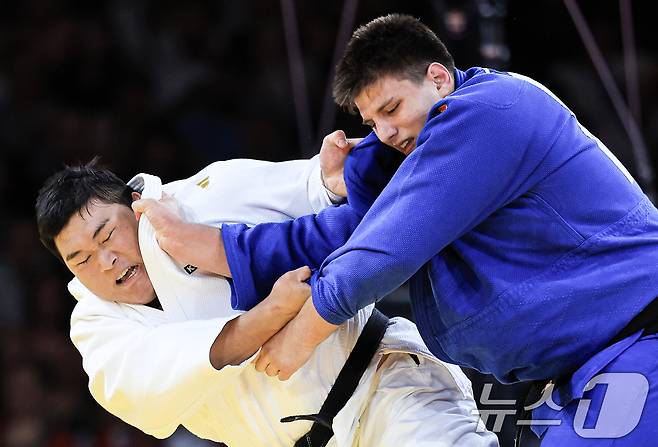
point(279, 310)
point(311, 327)
point(335, 188)
point(323, 179)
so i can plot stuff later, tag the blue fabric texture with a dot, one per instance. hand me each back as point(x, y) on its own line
point(614, 415)
point(533, 246)
point(258, 256)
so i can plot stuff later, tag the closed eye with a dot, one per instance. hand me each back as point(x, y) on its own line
point(109, 235)
point(392, 110)
point(85, 260)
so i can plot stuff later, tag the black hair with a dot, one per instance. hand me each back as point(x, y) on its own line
point(395, 44)
point(69, 191)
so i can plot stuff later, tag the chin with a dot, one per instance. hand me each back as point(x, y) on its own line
point(146, 302)
point(146, 297)
point(143, 292)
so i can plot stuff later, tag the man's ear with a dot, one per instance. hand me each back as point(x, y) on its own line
point(441, 77)
point(135, 195)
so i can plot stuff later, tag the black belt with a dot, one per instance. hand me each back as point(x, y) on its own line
point(646, 321)
point(346, 382)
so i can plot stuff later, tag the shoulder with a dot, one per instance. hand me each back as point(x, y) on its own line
point(216, 178)
point(92, 307)
point(487, 98)
point(501, 90)
point(490, 88)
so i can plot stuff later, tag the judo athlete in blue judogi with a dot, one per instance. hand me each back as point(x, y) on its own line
point(531, 252)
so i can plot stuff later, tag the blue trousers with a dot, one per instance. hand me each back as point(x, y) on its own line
point(621, 410)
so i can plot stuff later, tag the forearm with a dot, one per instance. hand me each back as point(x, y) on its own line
point(309, 327)
point(290, 349)
point(208, 252)
point(241, 337)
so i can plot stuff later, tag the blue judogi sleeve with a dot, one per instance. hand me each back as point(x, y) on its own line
point(258, 256)
point(474, 155)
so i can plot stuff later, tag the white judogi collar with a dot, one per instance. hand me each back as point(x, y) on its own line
point(208, 296)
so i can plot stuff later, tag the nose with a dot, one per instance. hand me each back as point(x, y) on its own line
point(106, 259)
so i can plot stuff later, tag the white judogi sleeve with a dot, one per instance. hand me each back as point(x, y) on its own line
point(251, 191)
point(319, 197)
point(151, 376)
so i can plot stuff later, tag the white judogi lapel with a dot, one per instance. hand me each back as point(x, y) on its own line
point(184, 292)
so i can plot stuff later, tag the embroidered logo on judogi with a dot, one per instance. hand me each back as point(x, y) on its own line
point(189, 268)
point(204, 183)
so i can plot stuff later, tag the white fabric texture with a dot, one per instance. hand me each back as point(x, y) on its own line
point(151, 368)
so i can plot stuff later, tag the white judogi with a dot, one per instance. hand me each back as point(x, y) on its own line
point(151, 368)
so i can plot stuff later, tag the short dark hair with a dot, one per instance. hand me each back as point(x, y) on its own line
point(69, 191)
point(395, 44)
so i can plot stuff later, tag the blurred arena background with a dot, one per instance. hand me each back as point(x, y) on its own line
point(166, 87)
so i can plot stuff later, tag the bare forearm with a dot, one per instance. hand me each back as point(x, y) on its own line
point(310, 326)
point(289, 349)
point(187, 242)
point(242, 336)
point(199, 245)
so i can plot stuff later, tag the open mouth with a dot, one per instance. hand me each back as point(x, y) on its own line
point(407, 145)
point(127, 274)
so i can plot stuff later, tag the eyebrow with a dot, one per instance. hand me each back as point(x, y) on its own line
point(72, 255)
point(388, 101)
point(99, 228)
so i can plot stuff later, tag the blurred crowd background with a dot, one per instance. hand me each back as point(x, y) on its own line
point(167, 87)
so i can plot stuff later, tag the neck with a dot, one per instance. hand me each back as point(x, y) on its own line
point(155, 303)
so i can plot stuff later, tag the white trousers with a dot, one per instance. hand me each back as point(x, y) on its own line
point(419, 405)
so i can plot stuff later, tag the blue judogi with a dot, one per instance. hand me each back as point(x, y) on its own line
point(527, 244)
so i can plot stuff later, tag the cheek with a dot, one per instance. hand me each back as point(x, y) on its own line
point(136, 252)
point(414, 116)
point(424, 111)
point(416, 120)
point(128, 245)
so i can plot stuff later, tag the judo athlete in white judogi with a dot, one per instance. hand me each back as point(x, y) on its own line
point(152, 366)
